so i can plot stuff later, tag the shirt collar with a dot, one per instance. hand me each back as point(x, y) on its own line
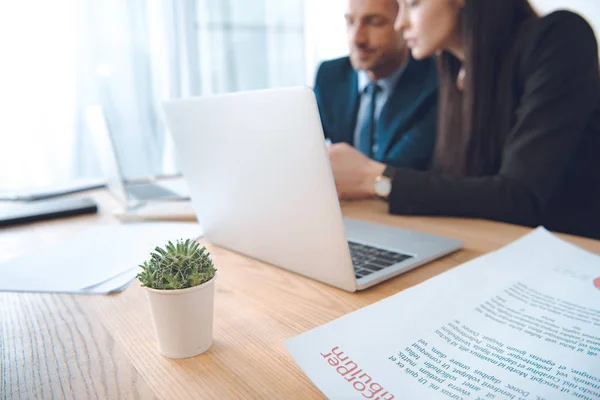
point(386, 84)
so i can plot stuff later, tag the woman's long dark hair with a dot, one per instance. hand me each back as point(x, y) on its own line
point(468, 140)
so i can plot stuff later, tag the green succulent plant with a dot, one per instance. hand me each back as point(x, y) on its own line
point(179, 266)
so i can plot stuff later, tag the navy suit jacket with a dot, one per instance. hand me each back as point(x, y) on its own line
point(406, 128)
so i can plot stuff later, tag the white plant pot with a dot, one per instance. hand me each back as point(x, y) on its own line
point(183, 319)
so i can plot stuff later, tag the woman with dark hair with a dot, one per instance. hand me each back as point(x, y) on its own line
point(519, 126)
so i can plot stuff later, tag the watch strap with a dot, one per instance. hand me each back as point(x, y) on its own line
point(389, 172)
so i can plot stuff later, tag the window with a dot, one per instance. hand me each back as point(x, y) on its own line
point(128, 57)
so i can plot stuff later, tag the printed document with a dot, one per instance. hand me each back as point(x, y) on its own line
point(101, 260)
point(519, 323)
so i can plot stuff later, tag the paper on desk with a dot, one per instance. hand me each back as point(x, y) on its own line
point(100, 260)
point(519, 323)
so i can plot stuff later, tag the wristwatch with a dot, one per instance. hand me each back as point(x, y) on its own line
point(383, 183)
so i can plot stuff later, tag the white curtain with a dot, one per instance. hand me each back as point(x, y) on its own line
point(325, 33)
point(250, 44)
point(60, 56)
point(37, 91)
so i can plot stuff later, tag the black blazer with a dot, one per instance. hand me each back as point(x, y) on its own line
point(407, 125)
point(550, 162)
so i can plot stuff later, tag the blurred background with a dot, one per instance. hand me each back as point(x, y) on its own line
point(128, 56)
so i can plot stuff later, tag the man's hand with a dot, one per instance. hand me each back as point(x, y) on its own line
point(354, 173)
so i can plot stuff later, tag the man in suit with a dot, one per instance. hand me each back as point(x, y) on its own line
point(379, 100)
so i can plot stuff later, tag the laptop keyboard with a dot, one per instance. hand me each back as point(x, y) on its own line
point(148, 191)
point(369, 259)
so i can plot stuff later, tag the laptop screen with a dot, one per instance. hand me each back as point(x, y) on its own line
point(105, 149)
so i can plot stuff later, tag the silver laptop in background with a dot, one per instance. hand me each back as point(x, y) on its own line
point(130, 193)
point(261, 185)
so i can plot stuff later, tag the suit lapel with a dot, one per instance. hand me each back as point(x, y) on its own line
point(349, 108)
point(395, 114)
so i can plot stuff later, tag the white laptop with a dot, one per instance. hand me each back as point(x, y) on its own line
point(130, 193)
point(261, 185)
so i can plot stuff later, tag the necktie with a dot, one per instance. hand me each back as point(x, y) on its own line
point(367, 131)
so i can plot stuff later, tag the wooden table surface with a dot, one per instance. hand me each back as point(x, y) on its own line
point(74, 346)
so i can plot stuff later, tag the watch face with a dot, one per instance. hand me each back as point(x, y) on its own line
point(383, 187)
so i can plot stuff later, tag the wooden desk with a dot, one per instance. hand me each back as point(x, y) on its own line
point(64, 346)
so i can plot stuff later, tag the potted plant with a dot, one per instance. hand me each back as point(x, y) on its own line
point(180, 285)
